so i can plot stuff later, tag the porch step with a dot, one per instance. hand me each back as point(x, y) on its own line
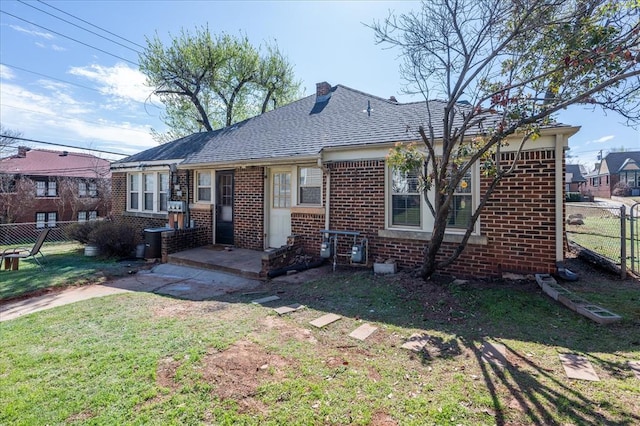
point(240, 262)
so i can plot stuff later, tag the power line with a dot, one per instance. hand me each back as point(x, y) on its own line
point(63, 145)
point(78, 26)
point(93, 25)
point(70, 38)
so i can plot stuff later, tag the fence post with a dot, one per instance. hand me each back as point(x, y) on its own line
point(623, 242)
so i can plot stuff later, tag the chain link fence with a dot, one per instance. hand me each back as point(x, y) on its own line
point(12, 234)
point(604, 229)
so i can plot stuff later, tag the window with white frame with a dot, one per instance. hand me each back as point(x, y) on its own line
point(203, 186)
point(46, 188)
point(408, 209)
point(147, 192)
point(82, 189)
point(310, 185)
point(149, 189)
point(93, 215)
point(405, 199)
point(93, 189)
point(48, 219)
point(82, 216)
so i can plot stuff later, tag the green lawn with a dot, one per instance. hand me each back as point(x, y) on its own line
point(601, 235)
point(142, 358)
point(64, 265)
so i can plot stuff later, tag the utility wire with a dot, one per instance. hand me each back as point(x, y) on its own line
point(70, 38)
point(78, 26)
point(60, 144)
point(93, 25)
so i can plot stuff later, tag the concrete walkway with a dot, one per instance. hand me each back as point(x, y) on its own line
point(170, 280)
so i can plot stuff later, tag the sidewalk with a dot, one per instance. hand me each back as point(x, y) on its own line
point(171, 280)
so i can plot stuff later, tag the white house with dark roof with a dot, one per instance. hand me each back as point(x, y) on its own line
point(319, 164)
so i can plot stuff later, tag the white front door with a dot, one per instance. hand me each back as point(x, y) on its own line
point(280, 207)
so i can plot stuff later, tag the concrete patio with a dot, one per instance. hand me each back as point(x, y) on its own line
point(241, 262)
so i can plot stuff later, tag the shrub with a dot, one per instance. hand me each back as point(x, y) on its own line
point(621, 189)
point(81, 231)
point(114, 239)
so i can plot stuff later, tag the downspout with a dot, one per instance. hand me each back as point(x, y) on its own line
point(327, 203)
point(559, 190)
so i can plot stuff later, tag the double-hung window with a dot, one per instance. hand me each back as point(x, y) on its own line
point(203, 186)
point(405, 199)
point(82, 189)
point(310, 186)
point(147, 192)
point(46, 188)
point(82, 217)
point(48, 219)
point(407, 208)
point(93, 189)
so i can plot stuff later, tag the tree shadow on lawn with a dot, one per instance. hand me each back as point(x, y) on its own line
point(515, 314)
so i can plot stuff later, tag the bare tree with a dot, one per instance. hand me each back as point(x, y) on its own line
point(7, 139)
point(17, 193)
point(503, 67)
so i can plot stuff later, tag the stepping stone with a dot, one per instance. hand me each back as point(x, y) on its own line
point(362, 332)
point(635, 367)
point(287, 309)
point(416, 342)
point(324, 320)
point(494, 353)
point(578, 367)
point(265, 300)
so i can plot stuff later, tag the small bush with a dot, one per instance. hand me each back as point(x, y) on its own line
point(113, 239)
point(81, 231)
point(621, 189)
point(573, 197)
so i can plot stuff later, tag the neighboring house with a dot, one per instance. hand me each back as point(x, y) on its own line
point(616, 168)
point(319, 164)
point(46, 187)
point(574, 180)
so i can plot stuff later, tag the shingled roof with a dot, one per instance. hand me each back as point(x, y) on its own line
point(335, 116)
point(345, 117)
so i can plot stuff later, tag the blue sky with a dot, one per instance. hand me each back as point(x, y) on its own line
point(79, 93)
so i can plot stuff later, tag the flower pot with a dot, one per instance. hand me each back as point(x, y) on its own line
point(91, 250)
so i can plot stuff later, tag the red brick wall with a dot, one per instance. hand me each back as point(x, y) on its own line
point(248, 208)
point(519, 221)
point(306, 227)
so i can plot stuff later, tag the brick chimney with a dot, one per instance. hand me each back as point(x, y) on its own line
point(322, 89)
point(22, 151)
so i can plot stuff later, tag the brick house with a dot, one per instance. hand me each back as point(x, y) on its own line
point(319, 164)
point(614, 168)
point(47, 187)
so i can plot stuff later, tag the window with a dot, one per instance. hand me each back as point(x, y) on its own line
point(82, 216)
point(203, 186)
point(163, 191)
point(460, 213)
point(93, 189)
point(82, 189)
point(148, 191)
point(93, 215)
point(406, 206)
point(46, 219)
point(310, 185)
point(46, 188)
point(282, 190)
point(134, 191)
point(405, 199)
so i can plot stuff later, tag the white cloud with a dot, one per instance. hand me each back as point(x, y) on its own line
point(602, 139)
point(119, 81)
point(6, 73)
point(58, 48)
point(35, 33)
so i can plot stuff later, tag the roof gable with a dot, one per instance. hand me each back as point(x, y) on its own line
point(615, 160)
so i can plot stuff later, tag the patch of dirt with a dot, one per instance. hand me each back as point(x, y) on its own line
point(287, 330)
point(186, 309)
point(166, 373)
point(382, 419)
point(238, 371)
point(79, 417)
